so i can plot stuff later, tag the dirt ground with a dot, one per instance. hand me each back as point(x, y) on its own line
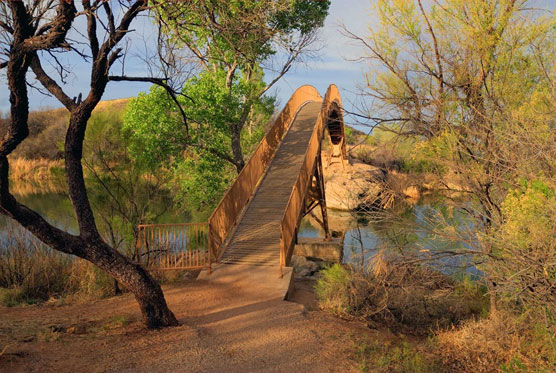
point(223, 329)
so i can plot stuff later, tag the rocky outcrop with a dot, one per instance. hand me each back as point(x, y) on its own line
point(346, 186)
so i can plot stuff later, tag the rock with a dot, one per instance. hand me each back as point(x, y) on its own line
point(304, 267)
point(77, 329)
point(412, 192)
point(346, 186)
point(298, 262)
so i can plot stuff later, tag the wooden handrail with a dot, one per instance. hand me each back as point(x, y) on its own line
point(196, 245)
point(293, 212)
point(228, 212)
point(170, 225)
point(173, 246)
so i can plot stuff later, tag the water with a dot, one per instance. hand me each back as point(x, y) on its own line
point(430, 230)
point(56, 208)
point(407, 228)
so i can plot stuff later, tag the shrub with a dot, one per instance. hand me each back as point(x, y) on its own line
point(333, 290)
point(525, 265)
point(404, 295)
point(30, 270)
point(503, 343)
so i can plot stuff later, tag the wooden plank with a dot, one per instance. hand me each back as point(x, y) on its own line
point(256, 240)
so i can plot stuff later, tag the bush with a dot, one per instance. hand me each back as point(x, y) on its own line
point(524, 247)
point(332, 290)
point(407, 296)
point(30, 270)
point(503, 343)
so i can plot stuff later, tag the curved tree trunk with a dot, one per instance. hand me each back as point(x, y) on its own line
point(88, 244)
point(135, 279)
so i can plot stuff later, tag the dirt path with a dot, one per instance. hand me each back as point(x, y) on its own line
point(224, 329)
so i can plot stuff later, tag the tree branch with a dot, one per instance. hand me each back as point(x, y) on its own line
point(50, 84)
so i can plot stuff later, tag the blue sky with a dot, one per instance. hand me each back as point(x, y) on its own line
point(330, 66)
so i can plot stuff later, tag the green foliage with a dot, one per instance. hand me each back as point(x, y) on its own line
point(199, 160)
point(154, 130)
point(202, 180)
point(332, 290)
point(529, 215)
point(524, 248)
point(385, 356)
point(217, 107)
point(246, 32)
point(127, 188)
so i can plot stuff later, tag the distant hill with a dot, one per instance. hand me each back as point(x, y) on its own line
point(47, 130)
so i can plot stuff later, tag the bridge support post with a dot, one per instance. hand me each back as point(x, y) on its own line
point(316, 196)
point(322, 196)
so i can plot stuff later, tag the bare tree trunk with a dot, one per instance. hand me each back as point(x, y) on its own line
point(237, 151)
point(137, 280)
point(88, 244)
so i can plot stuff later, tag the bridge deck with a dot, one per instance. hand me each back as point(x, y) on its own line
point(256, 240)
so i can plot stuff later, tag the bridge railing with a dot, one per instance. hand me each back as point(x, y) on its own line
point(293, 212)
point(173, 246)
point(228, 212)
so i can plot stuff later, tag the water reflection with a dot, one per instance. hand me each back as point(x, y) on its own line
point(56, 208)
point(431, 230)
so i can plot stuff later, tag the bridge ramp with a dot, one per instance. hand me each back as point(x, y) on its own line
point(256, 240)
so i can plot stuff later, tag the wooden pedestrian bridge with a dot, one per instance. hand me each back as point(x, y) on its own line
point(254, 227)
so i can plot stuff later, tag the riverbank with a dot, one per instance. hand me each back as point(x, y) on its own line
point(366, 182)
point(222, 328)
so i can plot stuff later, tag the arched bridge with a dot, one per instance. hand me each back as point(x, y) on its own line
point(257, 220)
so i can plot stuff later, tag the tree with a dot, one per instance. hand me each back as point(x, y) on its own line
point(33, 31)
point(471, 83)
point(200, 156)
point(234, 39)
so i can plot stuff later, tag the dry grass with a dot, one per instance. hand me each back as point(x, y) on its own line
point(33, 170)
point(30, 272)
point(408, 297)
point(505, 342)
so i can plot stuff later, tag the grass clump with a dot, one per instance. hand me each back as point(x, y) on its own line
point(30, 272)
point(386, 356)
point(401, 294)
point(333, 288)
point(506, 342)
point(117, 322)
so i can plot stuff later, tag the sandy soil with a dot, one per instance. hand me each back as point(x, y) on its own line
point(224, 329)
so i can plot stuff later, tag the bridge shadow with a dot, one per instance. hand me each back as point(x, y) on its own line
point(229, 313)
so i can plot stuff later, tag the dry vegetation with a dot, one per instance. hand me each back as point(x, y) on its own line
point(34, 170)
point(39, 158)
point(30, 272)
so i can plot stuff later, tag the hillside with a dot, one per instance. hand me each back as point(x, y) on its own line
point(47, 129)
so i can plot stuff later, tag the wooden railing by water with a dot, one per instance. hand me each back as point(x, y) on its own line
point(228, 212)
point(294, 209)
point(189, 246)
point(173, 246)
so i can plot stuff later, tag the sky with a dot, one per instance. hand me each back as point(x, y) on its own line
point(331, 65)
